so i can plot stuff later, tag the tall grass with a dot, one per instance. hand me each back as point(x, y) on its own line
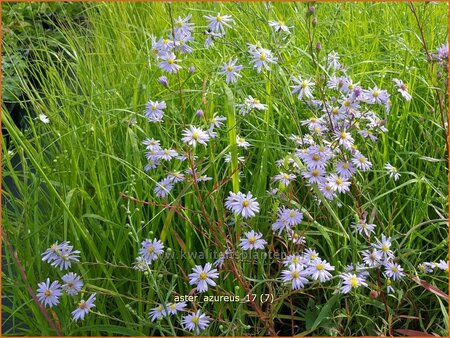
point(67, 180)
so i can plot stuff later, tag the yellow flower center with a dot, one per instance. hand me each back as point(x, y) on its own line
point(82, 305)
point(313, 119)
point(345, 166)
point(245, 203)
point(48, 293)
point(335, 111)
point(339, 181)
point(315, 173)
point(295, 260)
point(203, 275)
point(252, 240)
point(179, 24)
point(394, 269)
point(343, 135)
point(170, 61)
point(295, 274)
point(154, 107)
point(363, 225)
point(166, 41)
point(230, 68)
point(291, 214)
point(362, 160)
point(354, 282)
point(319, 267)
point(150, 249)
point(375, 93)
point(218, 18)
point(256, 101)
point(195, 320)
point(304, 84)
point(313, 256)
point(385, 248)
point(316, 157)
point(263, 57)
point(195, 136)
point(347, 103)
point(173, 306)
point(328, 188)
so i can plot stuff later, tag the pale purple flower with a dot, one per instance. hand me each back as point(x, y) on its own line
point(244, 205)
point(367, 133)
point(262, 58)
point(338, 183)
point(152, 144)
point(426, 267)
point(173, 308)
point(152, 164)
point(344, 138)
point(295, 259)
point(310, 255)
point(182, 26)
point(73, 283)
point(316, 175)
point(157, 312)
point(372, 258)
point(384, 245)
point(296, 275)
point(218, 23)
point(163, 187)
point(217, 121)
point(327, 190)
point(443, 265)
point(361, 162)
point(64, 256)
point(402, 89)
point(140, 264)
point(302, 87)
point(279, 26)
point(195, 135)
point(83, 308)
point(345, 170)
point(167, 154)
point(176, 176)
point(333, 61)
point(48, 294)
point(154, 111)
point(203, 276)
point(375, 95)
point(351, 281)
point(231, 71)
point(151, 250)
point(291, 216)
point(168, 63)
point(284, 178)
point(393, 270)
point(319, 270)
point(252, 240)
point(393, 172)
point(196, 322)
point(249, 104)
point(362, 227)
point(241, 142)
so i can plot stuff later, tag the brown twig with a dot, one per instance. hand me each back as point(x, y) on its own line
point(41, 308)
point(429, 58)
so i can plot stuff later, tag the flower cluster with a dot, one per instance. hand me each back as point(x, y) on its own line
point(48, 293)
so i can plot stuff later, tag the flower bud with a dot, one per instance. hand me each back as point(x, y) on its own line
point(374, 294)
point(191, 70)
point(163, 81)
point(311, 10)
point(318, 46)
point(314, 21)
point(199, 113)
